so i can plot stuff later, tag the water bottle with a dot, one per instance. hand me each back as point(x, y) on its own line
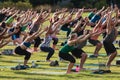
point(77, 68)
point(18, 66)
point(33, 64)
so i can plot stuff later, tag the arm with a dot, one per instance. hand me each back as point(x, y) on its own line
point(36, 34)
point(77, 26)
point(3, 43)
point(3, 32)
point(99, 12)
point(10, 34)
point(109, 27)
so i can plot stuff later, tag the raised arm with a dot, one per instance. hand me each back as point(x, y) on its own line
point(10, 34)
point(109, 27)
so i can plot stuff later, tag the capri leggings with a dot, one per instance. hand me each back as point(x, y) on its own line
point(55, 40)
point(20, 51)
point(49, 50)
point(37, 42)
point(67, 56)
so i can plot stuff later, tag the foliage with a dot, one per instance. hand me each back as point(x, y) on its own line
point(19, 5)
point(59, 3)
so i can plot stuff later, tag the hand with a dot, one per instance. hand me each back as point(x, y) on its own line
point(16, 30)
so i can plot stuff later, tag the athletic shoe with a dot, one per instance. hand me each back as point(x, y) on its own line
point(102, 71)
point(20, 67)
point(98, 72)
point(93, 56)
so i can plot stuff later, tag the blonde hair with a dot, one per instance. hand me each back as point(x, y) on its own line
point(72, 35)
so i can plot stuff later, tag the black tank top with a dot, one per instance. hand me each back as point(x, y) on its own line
point(110, 37)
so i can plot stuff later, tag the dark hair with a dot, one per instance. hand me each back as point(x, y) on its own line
point(3, 25)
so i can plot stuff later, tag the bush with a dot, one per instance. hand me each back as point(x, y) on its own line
point(19, 5)
point(23, 5)
point(6, 4)
point(45, 7)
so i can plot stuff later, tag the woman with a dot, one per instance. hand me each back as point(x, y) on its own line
point(69, 46)
point(22, 48)
point(45, 46)
point(111, 34)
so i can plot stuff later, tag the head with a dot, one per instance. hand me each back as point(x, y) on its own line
point(3, 25)
point(113, 21)
point(73, 36)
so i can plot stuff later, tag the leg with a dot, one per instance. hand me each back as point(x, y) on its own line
point(27, 57)
point(111, 58)
point(83, 59)
point(97, 49)
point(70, 58)
point(20, 51)
point(55, 41)
point(49, 50)
point(37, 43)
point(69, 68)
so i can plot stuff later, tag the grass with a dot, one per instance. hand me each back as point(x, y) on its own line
point(46, 72)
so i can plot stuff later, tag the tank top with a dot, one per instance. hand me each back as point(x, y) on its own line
point(46, 42)
point(27, 44)
point(66, 48)
point(95, 18)
point(91, 14)
point(110, 37)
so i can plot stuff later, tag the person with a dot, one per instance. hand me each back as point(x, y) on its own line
point(94, 39)
point(78, 51)
point(111, 34)
point(35, 25)
point(45, 45)
point(22, 48)
point(69, 46)
point(54, 35)
point(4, 36)
point(96, 17)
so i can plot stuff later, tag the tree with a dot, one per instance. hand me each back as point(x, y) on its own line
point(42, 2)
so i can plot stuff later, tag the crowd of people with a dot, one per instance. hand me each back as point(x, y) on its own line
point(26, 27)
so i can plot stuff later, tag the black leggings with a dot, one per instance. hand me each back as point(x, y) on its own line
point(55, 41)
point(37, 42)
point(49, 50)
point(67, 56)
point(20, 51)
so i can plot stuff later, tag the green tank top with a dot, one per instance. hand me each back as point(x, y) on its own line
point(24, 28)
point(66, 48)
point(9, 20)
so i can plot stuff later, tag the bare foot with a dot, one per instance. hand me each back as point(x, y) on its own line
point(68, 72)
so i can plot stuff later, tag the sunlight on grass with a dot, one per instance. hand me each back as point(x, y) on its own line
point(46, 72)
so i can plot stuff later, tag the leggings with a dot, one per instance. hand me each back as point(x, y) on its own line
point(49, 50)
point(37, 42)
point(55, 41)
point(66, 29)
point(20, 51)
point(67, 56)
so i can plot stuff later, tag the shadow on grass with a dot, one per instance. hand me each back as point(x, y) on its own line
point(21, 78)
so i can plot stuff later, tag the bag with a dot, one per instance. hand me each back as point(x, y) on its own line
point(54, 63)
point(117, 62)
point(8, 52)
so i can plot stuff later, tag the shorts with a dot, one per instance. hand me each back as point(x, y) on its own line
point(77, 52)
point(94, 42)
point(109, 47)
point(14, 37)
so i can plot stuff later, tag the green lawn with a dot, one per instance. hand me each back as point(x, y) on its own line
point(46, 72)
